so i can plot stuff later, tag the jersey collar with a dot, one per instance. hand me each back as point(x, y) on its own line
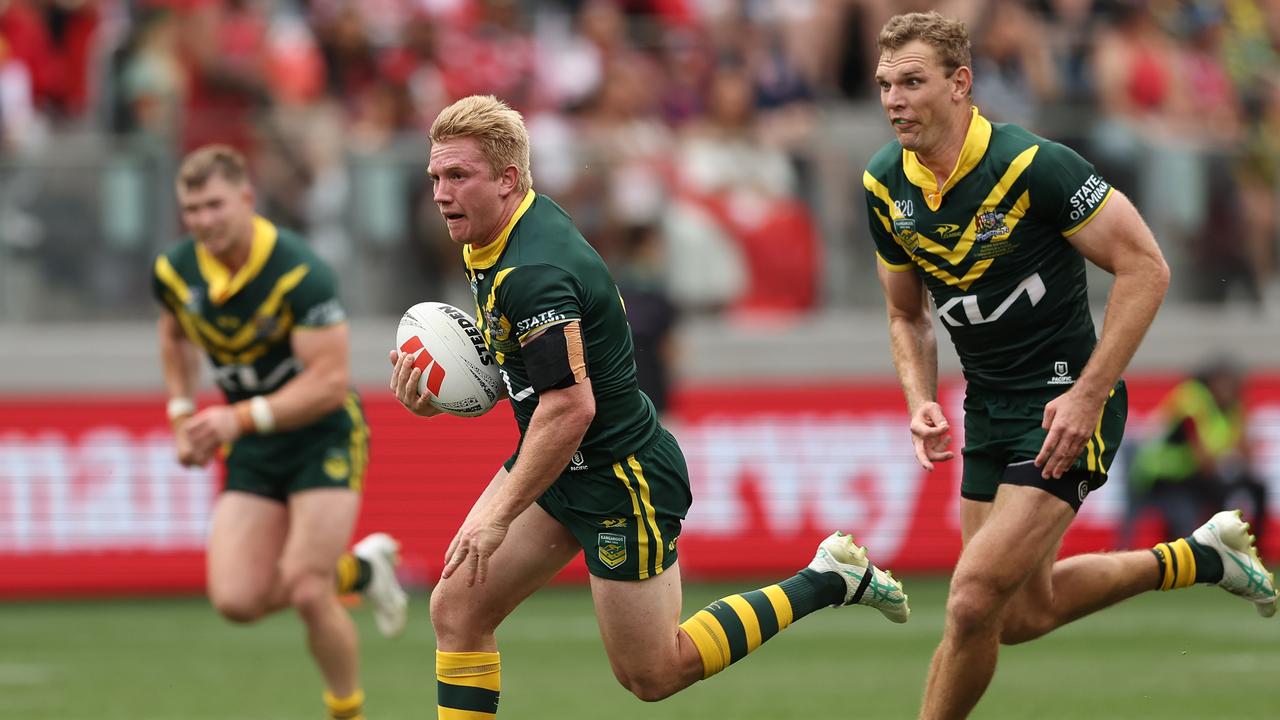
point(488, 255)
point(976, 141)
point(222, 283)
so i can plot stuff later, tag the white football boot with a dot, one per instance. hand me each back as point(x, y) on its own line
point(865, 583)
point(389, 601)
point(1242, 571)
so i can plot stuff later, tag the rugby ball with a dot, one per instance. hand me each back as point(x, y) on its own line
point(458, 372)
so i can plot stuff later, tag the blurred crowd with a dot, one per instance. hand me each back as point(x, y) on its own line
point(681, 134)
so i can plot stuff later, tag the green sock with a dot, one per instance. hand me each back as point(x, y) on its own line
point(1208, 562)
point(811, 590)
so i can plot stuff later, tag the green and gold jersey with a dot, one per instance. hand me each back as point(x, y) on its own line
point(991, 245)
point(244, 320)
point(541, 272)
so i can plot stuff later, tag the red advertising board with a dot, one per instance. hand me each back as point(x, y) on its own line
point(92, 501)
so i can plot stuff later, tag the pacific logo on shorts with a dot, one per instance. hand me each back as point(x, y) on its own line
point(1061, 374)
point(612, 549)
point(336, 465)
point(425, 363)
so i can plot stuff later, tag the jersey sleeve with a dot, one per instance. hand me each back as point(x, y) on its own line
point(879, 212)
point(1066, 189)
point(158, 289)
point(315, 299)
point(534, 297)
point(167, 286)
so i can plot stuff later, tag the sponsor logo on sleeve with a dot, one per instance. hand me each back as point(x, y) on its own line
point(329, 312)
point(543, 318)
point(1086, 199)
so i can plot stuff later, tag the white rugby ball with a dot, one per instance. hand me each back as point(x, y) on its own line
point(457, 369)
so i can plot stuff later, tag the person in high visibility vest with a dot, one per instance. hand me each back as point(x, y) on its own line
point(1199, 455)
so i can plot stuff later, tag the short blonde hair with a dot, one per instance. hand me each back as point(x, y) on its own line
point(499, 129)
point(201, 164)
point(949, 38)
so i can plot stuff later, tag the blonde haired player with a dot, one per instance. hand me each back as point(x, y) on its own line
point(594, 470)
point(265, 310)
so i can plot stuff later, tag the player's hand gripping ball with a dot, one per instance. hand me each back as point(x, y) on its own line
point(458, 372)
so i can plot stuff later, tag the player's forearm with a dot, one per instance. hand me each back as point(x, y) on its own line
point(1135, 299)
point(915, 356)
point(309, 396)
point(553, 435)
point(179, 361)
point(181, 365)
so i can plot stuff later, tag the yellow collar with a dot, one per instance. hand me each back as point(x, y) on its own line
point(975, 146)
point(222, 284)
point(486, 256)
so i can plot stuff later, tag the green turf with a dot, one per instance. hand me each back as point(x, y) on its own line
point(1190, 654)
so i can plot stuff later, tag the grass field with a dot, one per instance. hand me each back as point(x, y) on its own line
point(1191, 654)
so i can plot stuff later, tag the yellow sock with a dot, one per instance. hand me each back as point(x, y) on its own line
point(730, 628)
point(350, 707)
point(353, 574)
point(467, 685)
point(1177, 564)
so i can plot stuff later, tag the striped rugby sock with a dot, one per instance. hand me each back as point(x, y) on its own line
point(467, 685)
point(350, 707)
point(730, 628)
point(1185, 562)
point(353, 573)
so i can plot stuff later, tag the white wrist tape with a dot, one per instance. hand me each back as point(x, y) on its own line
point(180, 407)
point(260, 411)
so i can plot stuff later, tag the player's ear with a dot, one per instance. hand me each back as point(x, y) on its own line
point(962, 83)
point(509, 179)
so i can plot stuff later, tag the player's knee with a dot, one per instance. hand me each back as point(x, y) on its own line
point(972, 607)
point(242, 609)
point(651, 693)
point(649, 686)
point(309, 590)
point(458, 619)
point(447, 617)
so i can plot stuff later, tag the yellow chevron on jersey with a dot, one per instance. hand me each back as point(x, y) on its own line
point(248, 343)
point(913, 238)
point(991, 245)
point(283, 286)
point(222, 283)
